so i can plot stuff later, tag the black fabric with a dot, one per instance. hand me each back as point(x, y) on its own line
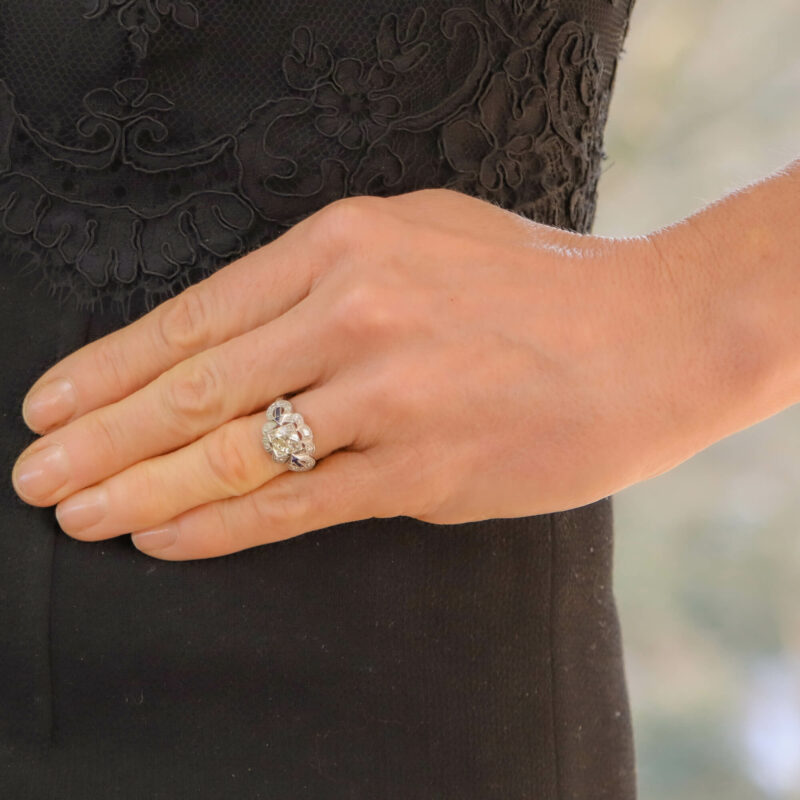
point(146, 143)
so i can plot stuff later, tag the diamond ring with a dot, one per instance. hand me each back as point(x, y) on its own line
point(286, 437)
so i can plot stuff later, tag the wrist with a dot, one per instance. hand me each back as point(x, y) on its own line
point(738, 299)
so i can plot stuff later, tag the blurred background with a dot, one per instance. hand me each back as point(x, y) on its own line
point(707, 564)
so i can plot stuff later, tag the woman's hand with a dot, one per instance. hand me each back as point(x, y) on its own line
point(454, 360)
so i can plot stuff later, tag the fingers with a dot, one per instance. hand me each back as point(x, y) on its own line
point(343, 487)
point(247, 293)
point(228, 462)
point(196, 396)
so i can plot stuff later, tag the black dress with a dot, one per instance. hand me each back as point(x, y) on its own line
point(146, 143)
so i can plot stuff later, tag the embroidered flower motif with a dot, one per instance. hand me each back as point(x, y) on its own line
point(573, 75)
point(143, 17)
point(400, 46)
point(524, 23)
point(356, 109)
point(492, 145)
point(308, 63)
point(126, 113)
point(127, 100)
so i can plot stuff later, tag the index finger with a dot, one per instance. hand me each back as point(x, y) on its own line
point(237, 298)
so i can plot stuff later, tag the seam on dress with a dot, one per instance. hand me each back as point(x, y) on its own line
point(52, 734)
point(556, 762)
point(63, 335)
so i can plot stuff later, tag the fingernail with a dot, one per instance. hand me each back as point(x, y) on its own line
point(156, 538)
point(49, 404)
point(38, 475)
point(82, 510)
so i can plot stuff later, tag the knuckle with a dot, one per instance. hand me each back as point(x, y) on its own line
point(104, 436)
point(147, 479)
point(282, 507)
point(195, 391)
point(436, 193)
point(229, 466)
point(110, 363)
point(229, 536)
point(183, 323)
point(342, 222)
point(364, 309)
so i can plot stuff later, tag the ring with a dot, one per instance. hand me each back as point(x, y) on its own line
point(286, 437)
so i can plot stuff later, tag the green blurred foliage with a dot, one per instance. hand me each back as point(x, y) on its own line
point(707, 569)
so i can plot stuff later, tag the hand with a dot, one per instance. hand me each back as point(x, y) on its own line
point(454, 360)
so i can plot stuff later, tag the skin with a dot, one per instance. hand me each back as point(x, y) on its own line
point(455, 361)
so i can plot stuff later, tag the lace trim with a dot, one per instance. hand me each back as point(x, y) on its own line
point(126, 214)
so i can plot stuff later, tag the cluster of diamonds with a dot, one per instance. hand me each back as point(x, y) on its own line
point(287, 437)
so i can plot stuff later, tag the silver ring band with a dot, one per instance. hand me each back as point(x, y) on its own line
point(287, 438)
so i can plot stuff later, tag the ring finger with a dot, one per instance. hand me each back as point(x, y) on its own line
point(181, 405)
point(227, 462)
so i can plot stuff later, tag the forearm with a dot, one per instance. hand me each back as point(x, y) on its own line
point(739, 263)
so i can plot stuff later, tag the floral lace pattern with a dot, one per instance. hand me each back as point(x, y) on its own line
point(141, 18)
point(521, 126)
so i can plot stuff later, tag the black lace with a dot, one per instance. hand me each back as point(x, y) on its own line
point(146, 143)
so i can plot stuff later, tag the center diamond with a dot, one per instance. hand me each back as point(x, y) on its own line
point(285, 440)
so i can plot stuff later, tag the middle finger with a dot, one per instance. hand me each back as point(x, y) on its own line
point(227, 462)
point(195, 396)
